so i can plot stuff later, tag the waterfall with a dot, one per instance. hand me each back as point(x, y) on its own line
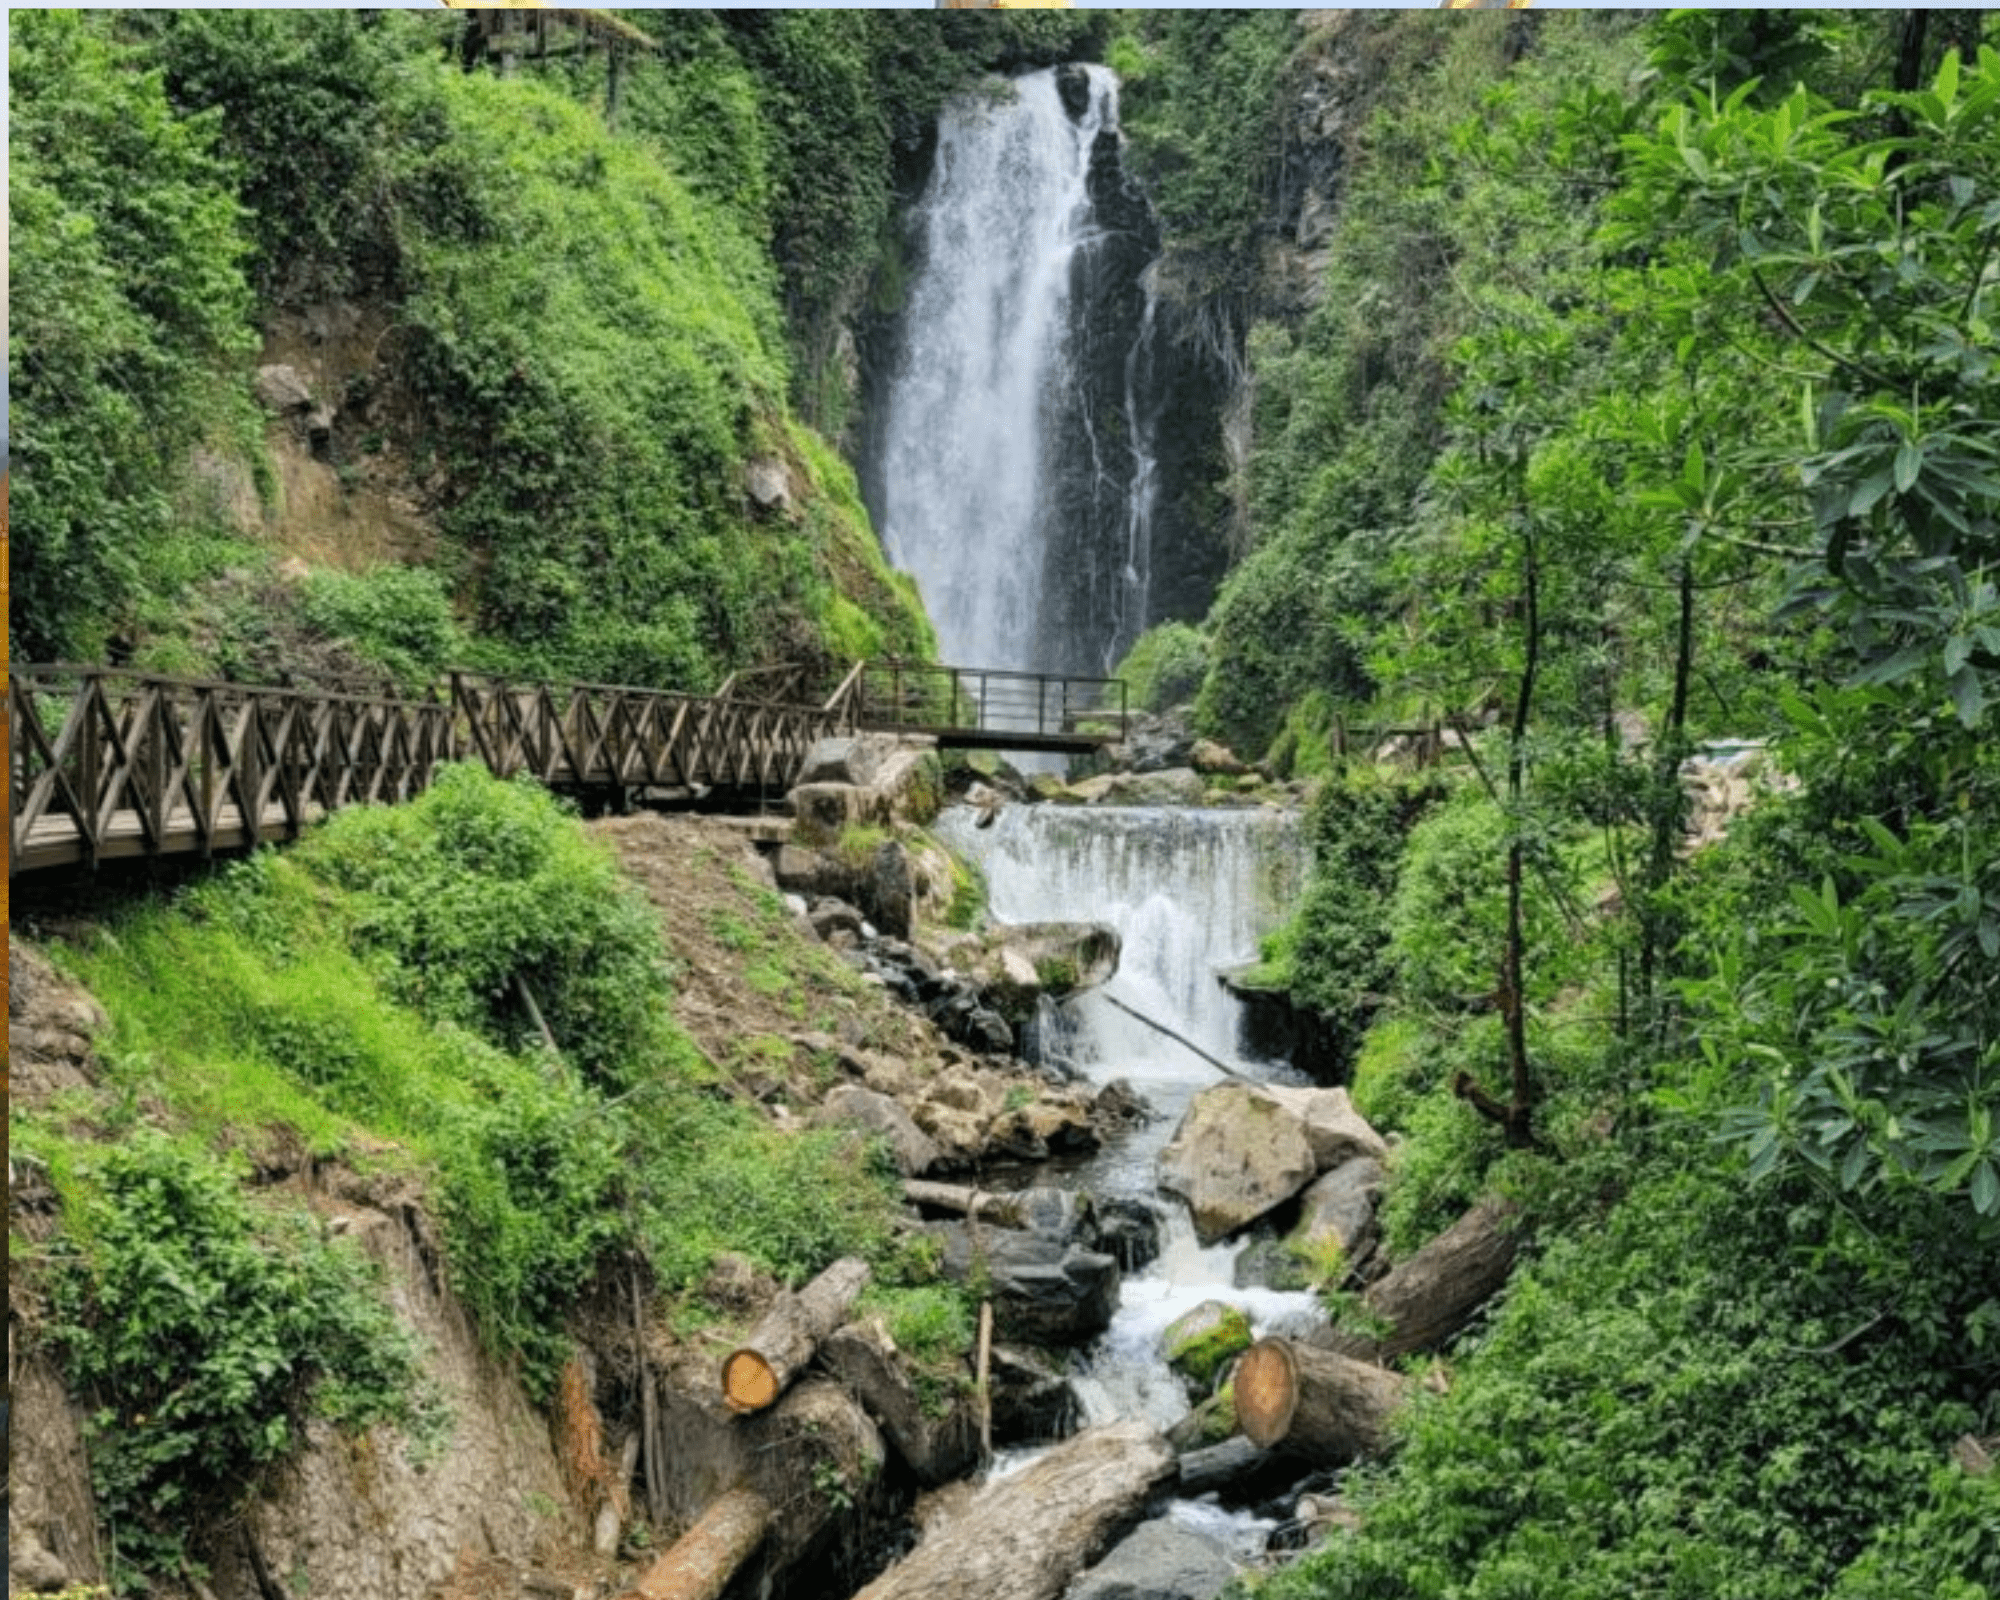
point(1190, 893)
point(1016, 471)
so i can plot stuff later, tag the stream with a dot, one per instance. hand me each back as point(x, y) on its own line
point(1190, 893)
point(1016, 474)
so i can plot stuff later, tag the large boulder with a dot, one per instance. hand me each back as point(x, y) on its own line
point(1044, 1291)
point(1338, 1212)
point(1159, 1560)
point(852, 1106)
point(1237, 1154)
point(1335, 1130)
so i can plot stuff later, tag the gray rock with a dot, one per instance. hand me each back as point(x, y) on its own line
point(1335, 1130)
point(1175, 786)
point(851, 759)
point(1236, 1155)
point(1340, 1208)
point(769, 484)
point(1269, 1264)
point(279, 388)
point(1128, 1229)
point(1159, 1560)
point(852, 1106)
point(830, 916)
point(1044, 1291)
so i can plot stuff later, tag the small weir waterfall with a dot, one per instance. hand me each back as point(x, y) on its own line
point(1016, 464)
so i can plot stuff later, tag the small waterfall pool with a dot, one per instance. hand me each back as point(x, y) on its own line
point(1190, 893)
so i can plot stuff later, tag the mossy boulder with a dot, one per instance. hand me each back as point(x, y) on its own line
point(1209, 1423)
point(1201, 1343)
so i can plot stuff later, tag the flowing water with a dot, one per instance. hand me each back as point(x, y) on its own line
point(1190, 893)
point(1017, 468)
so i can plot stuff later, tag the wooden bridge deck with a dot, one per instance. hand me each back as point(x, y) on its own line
point(105, 763)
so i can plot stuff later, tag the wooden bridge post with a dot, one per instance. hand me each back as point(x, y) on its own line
point(90, 768)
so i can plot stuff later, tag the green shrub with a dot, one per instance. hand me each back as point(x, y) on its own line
point(1164, 667)
point(397, 617)
point(480, 887)
point(1675, 1402)
point(204, 1331)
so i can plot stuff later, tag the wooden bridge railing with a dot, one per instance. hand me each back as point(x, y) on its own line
point(105, 762)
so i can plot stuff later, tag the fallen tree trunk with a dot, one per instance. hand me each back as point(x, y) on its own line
point(1431, 1296)
point(963, 1200)
point(756, 1373)
point(863, 1357)
point(704, 1559)
point(1026, 1536)
point(1220, 1465)
point(1314, 1403)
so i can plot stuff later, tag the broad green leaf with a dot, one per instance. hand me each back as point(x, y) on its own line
point(1968, 696)
point(1985, 1189)
point(1909, 462)
point(1694, 467)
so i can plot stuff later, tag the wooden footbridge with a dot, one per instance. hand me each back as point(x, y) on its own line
point(105, 763)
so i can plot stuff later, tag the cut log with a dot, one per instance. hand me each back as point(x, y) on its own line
point(1431, 1296)
point(704, 1559)
point(1026, 1536)
point(864, 1358)
point(1313, 1403)
point(756, 1373)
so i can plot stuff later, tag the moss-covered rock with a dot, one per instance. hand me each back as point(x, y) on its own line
point(1199, 1344)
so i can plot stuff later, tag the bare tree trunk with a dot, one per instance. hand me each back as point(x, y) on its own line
point(703, 1560)
point(1431, 1296)
point(1026, 1536)
point(1516, 1116)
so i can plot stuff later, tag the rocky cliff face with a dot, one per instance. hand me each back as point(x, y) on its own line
point(366, 1517)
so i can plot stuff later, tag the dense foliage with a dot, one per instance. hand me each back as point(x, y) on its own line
point(205, 1330)
point(405, 971)
point(125, 294)
point(1649, 403)
point(585, 348)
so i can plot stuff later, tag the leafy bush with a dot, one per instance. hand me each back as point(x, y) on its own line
point(1164, 667)
point(126, 292)
point(398, 617)
point(1332, 955)
point(480, 887)
point(1676, 1401)
point(205, 1331)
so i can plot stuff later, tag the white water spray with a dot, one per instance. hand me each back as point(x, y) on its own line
point(989, 387)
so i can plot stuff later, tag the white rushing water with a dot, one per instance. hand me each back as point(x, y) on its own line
point(1190, 893)
point(988, 386)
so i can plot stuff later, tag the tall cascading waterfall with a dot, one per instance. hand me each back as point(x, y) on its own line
point(1015, 473)
point(1190, 893)
point(1030, 465)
